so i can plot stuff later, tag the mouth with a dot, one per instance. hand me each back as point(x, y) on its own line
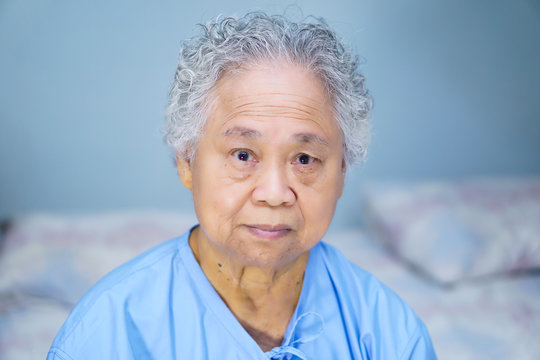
point(269, 232)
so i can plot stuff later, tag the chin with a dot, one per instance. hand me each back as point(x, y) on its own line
point(270, 257)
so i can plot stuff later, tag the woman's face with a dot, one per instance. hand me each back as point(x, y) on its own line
point(268, 169)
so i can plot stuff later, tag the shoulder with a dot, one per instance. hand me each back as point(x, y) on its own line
point(386, 323)
point(350, 275)
point(139, 283)
point(134, 273)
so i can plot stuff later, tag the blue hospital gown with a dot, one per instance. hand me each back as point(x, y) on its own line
point(160, 305)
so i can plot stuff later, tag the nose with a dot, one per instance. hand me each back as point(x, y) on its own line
point(273, 188)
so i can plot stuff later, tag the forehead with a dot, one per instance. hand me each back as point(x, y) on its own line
point(281, 95)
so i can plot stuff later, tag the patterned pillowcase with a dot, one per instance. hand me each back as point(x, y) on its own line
point(59, 258)
point(453, 231)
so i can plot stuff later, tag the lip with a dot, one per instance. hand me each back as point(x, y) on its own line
point(269, 232)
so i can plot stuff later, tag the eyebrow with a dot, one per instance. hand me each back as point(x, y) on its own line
point(242, 131)
point(305, 138)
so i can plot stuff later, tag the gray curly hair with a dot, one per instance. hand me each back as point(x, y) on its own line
point(230, 43)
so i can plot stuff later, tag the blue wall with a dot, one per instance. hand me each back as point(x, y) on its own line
point(83, 89)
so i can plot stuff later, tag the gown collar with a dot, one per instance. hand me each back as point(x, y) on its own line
point(293, 336)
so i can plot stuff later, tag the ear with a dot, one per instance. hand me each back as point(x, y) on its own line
point(184, 171)
point(342, 182)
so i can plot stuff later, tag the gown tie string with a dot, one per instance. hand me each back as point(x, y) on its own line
point(288, 351)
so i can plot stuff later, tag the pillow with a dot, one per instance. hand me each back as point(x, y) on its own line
point(59, 258)
point(453, 231)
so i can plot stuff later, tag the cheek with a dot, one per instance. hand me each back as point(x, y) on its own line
point(318, 209)
point(229, 200)
point(318, 204)
point(217, 198)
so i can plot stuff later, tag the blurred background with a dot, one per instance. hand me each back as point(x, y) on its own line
point(445, 210)
point(84, 86)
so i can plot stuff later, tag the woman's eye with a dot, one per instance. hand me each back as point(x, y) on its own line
point(243, 155)
point(304, 159)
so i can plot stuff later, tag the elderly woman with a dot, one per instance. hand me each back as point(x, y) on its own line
point(265, 116)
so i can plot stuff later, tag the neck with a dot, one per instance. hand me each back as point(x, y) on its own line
point(262, 298)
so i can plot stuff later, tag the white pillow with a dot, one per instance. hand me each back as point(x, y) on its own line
point(459, 230)
point(61, 257)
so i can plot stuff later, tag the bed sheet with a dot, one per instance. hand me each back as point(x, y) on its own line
point(28, 326)
point(496, 318)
